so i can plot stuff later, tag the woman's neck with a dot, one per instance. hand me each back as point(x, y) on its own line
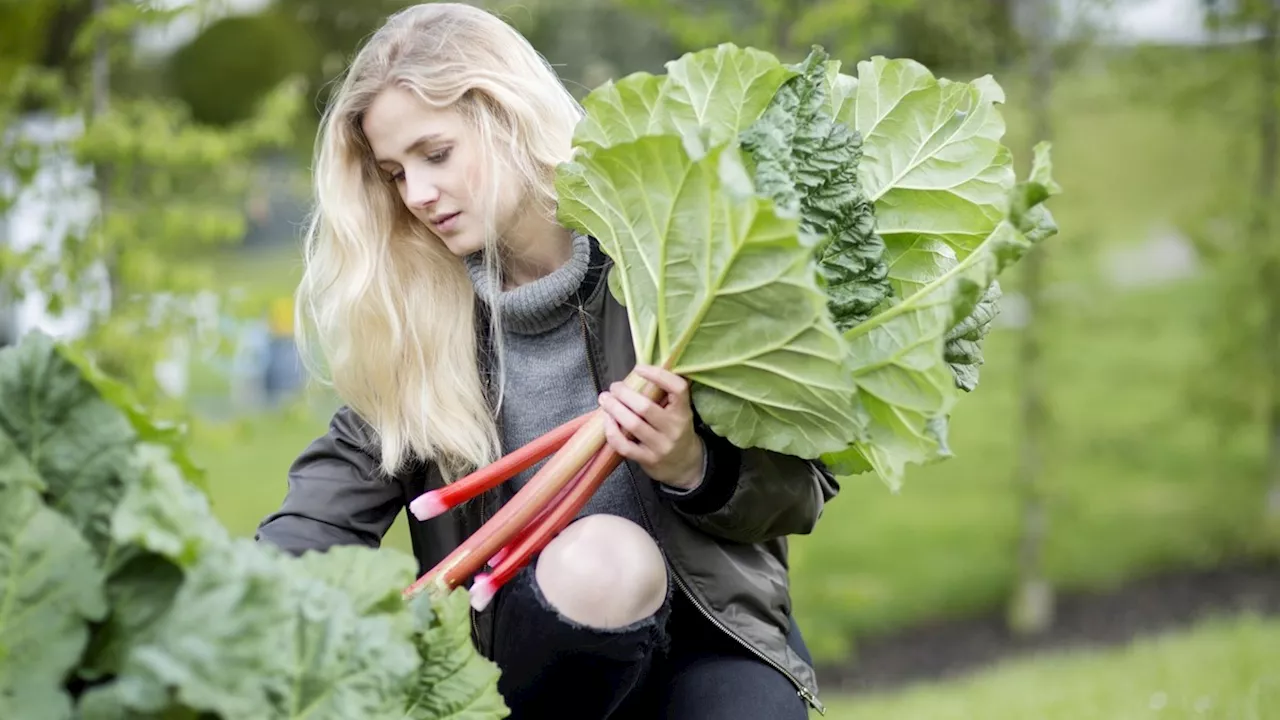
point(535, 247)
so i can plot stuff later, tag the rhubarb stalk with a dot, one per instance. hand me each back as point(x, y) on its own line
point(533, 524)
point(541, 531)
point(474, 552)
point(440, 501)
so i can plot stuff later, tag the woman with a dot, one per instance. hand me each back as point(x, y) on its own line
point(458, 321)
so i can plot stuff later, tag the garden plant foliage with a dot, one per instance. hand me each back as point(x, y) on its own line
point(122, 596)
point(818, 252)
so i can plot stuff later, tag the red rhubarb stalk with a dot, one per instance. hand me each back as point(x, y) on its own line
point(475, 551)
point(533, 524)
point(486, 585)
point(440, 501)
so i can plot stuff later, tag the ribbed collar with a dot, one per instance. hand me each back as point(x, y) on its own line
point(541, 305)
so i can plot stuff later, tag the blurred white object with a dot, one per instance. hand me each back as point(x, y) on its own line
point(173, 372)
point(1139, 22)
point(59, 201)
point(160, 39)
point(1167, 256)
point(1015, 312)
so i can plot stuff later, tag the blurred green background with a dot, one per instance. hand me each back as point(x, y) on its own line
point(1130, 401)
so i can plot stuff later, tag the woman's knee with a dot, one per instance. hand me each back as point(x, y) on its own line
point(603, 571)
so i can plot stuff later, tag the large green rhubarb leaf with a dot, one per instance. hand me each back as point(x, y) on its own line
point(374, 587)
point(904, 379)
point(60, 434)
point(707, 97)
point(255, 635)
point(719, 288)
point(937, 172)
point(146, 426)
point(933, 162)
point(163, 513)
point(50, 590)
point(220, 648)
point(456, 682)
point(140, 587)
point(964, 341)
point(808, 163)
point(162, 526)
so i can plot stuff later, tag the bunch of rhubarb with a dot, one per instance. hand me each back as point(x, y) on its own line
point(816, 252)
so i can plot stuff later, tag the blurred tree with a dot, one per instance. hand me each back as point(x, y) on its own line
point(23, 35)
point(226, 70)
point(784, 27)
point(162, 189)
point(957, 35)
point(960, 36)
point(39, 33)
point(1031, 606)
point(590, 41)
point(1264, 234)
point(1238, 381)
point(336, 29)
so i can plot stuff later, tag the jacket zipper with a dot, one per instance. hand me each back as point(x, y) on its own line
point(801, 690)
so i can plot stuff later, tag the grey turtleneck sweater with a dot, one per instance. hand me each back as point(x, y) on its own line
point(547, 375)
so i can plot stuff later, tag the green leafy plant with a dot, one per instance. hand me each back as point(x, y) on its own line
point(122, 596)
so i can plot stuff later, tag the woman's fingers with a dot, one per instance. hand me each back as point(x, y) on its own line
point(675, 386)
point(623, 445)
point(634, 417)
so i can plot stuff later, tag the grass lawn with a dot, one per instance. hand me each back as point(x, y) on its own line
point(1134, 485)
point(1227, 670)
point(247, 465)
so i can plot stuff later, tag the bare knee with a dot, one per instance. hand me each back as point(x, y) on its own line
point(603, 571)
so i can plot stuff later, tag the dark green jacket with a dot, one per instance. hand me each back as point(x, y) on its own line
point(729, 558)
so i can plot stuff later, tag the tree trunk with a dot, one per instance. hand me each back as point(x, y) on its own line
point(1265, 239)
point(101, 66)
point(100, 99)
point(1031, 610)
point(1001, 33)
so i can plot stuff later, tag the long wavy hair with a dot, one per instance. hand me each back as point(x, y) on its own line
point(383, 306)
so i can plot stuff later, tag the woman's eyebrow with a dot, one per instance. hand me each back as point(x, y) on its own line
point(415, 146)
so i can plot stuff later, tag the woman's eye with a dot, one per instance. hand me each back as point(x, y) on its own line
point(439, 156)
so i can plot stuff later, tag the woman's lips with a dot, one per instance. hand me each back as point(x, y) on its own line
point(445, 223)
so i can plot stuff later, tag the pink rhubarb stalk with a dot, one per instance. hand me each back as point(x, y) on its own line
point(539, 533)
point(524, 531)
point(474, 552)
point(440, 501)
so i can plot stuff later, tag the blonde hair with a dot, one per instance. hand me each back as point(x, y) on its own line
point(391, 310)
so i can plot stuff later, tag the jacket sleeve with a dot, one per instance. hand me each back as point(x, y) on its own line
point(754, 495)
point(336, 494)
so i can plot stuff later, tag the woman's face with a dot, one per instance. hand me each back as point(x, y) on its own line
point(433, 156)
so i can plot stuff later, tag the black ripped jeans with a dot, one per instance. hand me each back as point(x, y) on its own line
point(674, 665)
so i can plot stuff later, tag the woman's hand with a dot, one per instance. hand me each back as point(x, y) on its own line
point(659, 437)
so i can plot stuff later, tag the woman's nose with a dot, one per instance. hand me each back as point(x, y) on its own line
point(420, 191)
